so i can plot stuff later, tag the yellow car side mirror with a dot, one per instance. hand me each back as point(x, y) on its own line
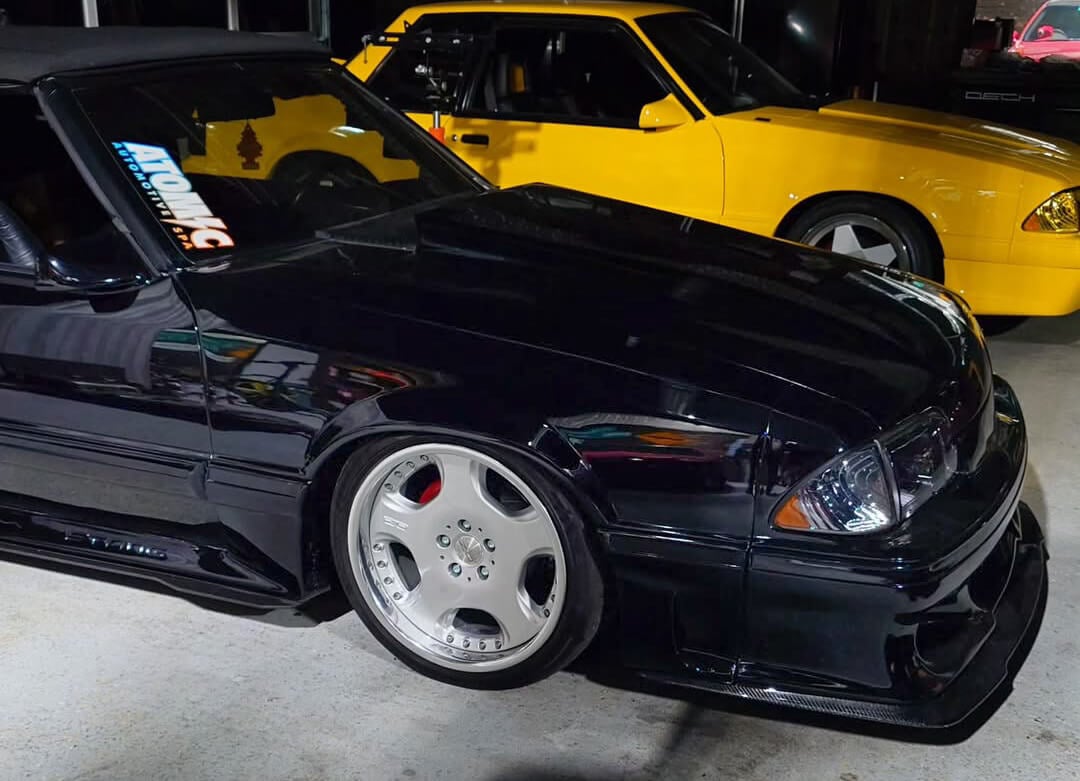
point(664, 113)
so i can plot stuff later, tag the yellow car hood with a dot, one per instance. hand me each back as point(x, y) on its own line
point(982, 139)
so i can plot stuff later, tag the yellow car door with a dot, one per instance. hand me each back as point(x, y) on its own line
point(574, 101)
point(578, 102)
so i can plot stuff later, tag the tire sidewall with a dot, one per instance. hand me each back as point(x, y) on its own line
point(583, 602)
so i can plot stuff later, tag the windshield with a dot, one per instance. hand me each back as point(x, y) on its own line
point(725, 75)
point(240, 156)
point(1056, 23)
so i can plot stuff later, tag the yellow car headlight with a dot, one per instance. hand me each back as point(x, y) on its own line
point(1060, 214)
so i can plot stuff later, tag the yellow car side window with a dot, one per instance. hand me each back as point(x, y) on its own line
point(564, 74)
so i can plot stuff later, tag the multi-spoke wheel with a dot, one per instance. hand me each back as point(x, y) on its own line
point(470, 566)
point(871, 229)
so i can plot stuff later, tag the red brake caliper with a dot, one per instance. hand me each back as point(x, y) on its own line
point(431, 491)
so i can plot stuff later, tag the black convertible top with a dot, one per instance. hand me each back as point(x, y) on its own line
point(28, 53)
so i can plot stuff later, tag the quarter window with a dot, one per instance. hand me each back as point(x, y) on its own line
point(45, 205)
point(564, 74)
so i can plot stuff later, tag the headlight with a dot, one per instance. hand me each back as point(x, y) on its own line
point(1060, 214)
point(876, 486)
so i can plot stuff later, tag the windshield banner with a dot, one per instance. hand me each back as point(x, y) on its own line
point(166, 188)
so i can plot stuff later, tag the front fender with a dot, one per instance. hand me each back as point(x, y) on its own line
point(451, 411)
point(970, 202)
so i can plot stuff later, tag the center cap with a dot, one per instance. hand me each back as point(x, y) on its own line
point(469, 550)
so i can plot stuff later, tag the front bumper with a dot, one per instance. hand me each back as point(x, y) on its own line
point(1015, 289)
point(919, 644)
point(1016, 622)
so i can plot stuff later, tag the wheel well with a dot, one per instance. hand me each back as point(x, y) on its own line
point(327, 158)
point(315, 515)
point(319, 496)
point(801, 208)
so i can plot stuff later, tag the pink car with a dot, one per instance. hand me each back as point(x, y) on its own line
point(1053, 30)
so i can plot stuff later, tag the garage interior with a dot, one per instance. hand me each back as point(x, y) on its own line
point(105, 679)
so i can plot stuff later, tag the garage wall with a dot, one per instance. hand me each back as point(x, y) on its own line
point(1020, 10)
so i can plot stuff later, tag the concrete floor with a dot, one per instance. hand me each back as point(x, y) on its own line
point(104, 681)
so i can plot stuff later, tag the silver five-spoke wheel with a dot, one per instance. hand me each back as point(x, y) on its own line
point(457, 557)
point(861, 236)
point(876, 230)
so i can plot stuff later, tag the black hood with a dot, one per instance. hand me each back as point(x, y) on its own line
point(695, 302)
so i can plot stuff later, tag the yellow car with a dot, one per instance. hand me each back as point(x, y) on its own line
point(283, 143)
point(657, 105)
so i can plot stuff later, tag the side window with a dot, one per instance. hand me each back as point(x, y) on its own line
point(395, 80)
point(572, 74)
point(47, 211)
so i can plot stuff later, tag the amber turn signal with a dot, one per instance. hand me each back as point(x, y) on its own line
point(790, 516)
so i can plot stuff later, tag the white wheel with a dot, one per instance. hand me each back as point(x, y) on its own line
point(455, 557)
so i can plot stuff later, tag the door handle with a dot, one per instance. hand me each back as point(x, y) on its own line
point(477, 139)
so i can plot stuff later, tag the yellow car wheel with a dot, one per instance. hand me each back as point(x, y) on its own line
point(872, 229)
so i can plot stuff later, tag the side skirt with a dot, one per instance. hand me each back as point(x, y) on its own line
point(210, 560)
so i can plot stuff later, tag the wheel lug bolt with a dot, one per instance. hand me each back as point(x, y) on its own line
point(464, 643)
point(455, 569)
point(498, 643)
point(464, 525)
point(443, 541)
point(423, 458)
point(397, 474)
point(483, 573)
point(547, 613)
point(397, 595)
point(388, 581)
point(377, 546)
point(489, 544)
point(389, 487)
point(449, 638)
point(483, 645)
point(410, 464)
point(380, 564)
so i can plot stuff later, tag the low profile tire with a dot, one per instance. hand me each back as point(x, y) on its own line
point(470, 564)
point(871, 229)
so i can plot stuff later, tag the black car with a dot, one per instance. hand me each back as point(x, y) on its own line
point(500, 419)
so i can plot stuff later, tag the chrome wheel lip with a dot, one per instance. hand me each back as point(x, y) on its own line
point(817, 235)
point(390, 612)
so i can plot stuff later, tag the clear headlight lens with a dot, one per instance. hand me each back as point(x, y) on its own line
point(921, 461)
point(1060, 214)
point(849, 495)
point(877, 486)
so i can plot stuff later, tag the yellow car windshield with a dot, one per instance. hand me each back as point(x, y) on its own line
point(1056, 23)
point(235, 156)
point(725, 75)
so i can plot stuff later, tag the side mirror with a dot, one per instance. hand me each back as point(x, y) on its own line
point(665, 113)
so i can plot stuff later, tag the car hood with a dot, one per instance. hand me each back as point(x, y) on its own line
point(1037, 50)
point(965, 136)
point(696, 303)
